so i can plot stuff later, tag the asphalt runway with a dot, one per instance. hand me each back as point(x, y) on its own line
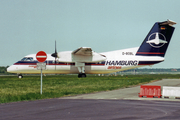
point(81, 109)
point(112, 105)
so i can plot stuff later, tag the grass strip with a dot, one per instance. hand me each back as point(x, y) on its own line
point(13, 89)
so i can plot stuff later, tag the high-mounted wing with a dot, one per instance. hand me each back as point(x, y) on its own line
point(83, 51)
point(85, 54)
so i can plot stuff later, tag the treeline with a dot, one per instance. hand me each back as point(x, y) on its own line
point(3, 70)
point(154, 70)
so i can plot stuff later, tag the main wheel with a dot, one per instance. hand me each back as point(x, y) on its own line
point(83, 75)
point(80, 75)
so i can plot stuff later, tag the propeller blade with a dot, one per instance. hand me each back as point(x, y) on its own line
point(55, 47)
point(55, 54)
point(55, 63)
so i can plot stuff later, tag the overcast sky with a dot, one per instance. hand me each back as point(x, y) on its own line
point(28, 26)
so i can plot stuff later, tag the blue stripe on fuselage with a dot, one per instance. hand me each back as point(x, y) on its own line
point(119, 63)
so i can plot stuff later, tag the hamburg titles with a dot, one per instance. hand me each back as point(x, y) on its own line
point(118, 64)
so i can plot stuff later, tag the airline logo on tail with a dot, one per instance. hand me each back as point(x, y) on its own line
point(156, 40)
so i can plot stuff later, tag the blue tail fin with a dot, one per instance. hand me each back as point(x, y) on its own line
point(157, 40)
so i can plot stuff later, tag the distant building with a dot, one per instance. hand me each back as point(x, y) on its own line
point(174, 70)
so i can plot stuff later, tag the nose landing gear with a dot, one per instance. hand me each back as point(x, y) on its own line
point(20, 76)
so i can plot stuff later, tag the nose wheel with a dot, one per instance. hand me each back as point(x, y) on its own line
point(20, 76)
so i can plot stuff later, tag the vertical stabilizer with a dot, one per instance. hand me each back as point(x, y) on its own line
point(157, 40)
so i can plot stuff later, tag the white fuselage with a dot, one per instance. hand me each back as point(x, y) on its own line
point(119, 60)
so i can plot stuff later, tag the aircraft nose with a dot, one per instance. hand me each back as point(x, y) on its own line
point(10, 69)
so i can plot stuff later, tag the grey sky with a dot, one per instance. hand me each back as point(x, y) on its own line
point(28, 26)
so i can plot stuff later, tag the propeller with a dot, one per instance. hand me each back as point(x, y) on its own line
point(55, 55)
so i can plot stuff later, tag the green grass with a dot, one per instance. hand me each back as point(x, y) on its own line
point(14, 89)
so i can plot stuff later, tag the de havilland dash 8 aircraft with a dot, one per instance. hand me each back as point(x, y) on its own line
point(84, 60)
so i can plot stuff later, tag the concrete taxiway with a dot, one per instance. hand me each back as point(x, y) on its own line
point(111, 105)
point(129, 93)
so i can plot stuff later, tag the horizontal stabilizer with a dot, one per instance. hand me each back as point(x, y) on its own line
point(168, 22)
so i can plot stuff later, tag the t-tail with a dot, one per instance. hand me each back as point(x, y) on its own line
point(157, 40)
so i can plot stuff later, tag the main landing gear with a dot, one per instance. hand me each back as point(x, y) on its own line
point(81, 70)
point(81, 75)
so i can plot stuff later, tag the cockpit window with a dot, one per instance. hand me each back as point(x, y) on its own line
point(23, 59)
point(27, 59)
